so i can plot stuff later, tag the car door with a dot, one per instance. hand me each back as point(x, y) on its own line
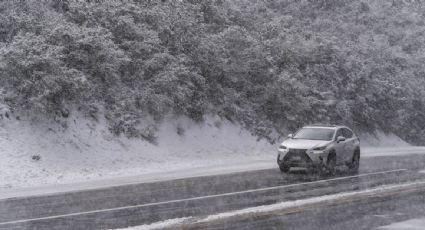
point(339, 147)
point(349, 144)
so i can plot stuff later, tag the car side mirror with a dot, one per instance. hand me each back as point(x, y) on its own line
point(340, 139)
point(290, 135)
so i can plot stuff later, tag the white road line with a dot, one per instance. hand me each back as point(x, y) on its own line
point(200, 198)
point(314, 200)
point(281, 208)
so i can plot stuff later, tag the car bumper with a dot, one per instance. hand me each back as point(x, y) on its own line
point(301, 158)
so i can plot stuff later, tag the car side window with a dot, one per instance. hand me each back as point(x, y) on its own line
point(339, 133)
point(347, 133)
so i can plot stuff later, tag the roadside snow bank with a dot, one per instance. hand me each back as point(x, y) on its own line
point(34, 154)
point(382, 139)
point(413, 224)
point(382, 144)
point(158, 225)
point(43, 153)
point(391, 151)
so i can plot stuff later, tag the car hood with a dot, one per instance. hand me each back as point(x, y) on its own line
point(303, 143)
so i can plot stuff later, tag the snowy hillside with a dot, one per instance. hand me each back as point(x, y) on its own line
point(87, 150)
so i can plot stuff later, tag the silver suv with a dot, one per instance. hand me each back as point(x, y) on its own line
point(320, 147)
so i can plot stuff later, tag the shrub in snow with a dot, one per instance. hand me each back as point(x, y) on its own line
point(36, 157)
point(292, 64)
point(4, 112)
point(180, 130)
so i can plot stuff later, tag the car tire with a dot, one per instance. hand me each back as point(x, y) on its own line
point(355, 163)
point(284, 168)
point(331, 163)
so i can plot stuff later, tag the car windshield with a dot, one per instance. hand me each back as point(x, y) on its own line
point(315, 134)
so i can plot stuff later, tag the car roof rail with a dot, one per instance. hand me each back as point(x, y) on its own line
point(324, 125)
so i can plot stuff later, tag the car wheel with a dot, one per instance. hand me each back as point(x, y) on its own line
point(355, 163)
point(284, 168)
point(331, 163)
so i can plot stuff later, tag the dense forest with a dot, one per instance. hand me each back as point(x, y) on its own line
point(271, 65)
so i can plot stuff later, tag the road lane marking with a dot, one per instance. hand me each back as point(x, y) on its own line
point(288, 207)
point(200, 198)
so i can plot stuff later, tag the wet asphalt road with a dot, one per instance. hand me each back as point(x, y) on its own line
point(369, 213)
point(137, 204)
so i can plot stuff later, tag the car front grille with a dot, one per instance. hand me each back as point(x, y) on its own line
point(297, 155)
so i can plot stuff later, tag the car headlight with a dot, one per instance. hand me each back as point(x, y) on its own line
point(283, 148)
point(320, 148)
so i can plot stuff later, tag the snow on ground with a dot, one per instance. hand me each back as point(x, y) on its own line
point(391, 151)
point(413, 224)
point(158, 225)
point(382, 139)
point(382, 144)
point(87, 151)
